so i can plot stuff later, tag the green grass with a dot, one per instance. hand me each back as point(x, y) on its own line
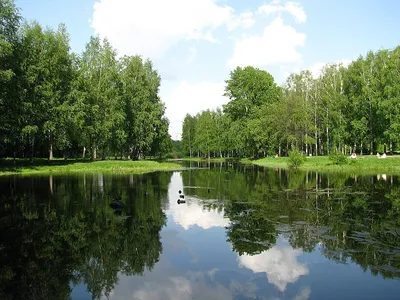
point(212, 159)
point(368, 164)
point(41, 166)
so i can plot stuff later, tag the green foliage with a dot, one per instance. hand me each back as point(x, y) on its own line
point(296, 158)
point(338, 158)
point(353, 108)
point(55, 100)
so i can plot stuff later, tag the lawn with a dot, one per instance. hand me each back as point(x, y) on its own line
point(41, 166)
point(367, 164)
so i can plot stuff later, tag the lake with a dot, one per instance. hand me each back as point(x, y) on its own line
point(244, 232)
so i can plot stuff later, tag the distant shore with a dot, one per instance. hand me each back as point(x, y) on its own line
point(59, 166)
point(365, 164)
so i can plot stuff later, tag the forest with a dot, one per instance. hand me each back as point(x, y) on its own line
point(54, 102)
point(347, 108)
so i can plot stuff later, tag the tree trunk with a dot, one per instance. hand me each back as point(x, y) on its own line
point(327, 132)
point(306, 144)
point(32, 150)
point(94, 153)
point(51, 151)
point(84, 152)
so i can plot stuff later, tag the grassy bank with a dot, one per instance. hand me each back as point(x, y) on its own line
point(368, 164)
point(212, 159)
point(41, 166)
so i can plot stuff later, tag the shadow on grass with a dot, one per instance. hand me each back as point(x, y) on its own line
point(9, 165)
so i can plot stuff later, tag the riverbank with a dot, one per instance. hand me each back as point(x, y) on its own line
point(41, 166)
point(367, 164)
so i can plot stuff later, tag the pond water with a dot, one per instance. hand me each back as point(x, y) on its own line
point(243, 233)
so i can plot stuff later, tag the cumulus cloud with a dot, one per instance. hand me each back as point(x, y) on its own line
point(151, 27)
point(293, 8)
point(316, 68)
point(280, 264)
point(187, 97)
point(277, 45)
point(192, 213)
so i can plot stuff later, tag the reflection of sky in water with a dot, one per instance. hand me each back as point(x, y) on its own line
point(198, 263)
point(280, 263)
point(191, 213)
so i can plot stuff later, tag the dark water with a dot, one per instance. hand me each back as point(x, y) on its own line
point(243, 233)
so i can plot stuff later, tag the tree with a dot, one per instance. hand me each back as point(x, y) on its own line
point(188, 134)
point(10, 106)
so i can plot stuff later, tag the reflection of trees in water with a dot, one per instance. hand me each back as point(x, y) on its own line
point(49, 241)
point(347, 217)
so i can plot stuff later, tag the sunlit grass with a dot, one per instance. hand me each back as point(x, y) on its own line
point(367, 164)
point(7, 167)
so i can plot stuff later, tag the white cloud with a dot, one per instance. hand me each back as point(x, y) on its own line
point(192, 55)
point(316, 68)
point(190, 98)
point(293, 8)
point(280, 264)
point(277, 45)
point(151, 27)
point(192, 213)
point(244, 20)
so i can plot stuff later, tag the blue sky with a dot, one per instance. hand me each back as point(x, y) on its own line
point(195, 43)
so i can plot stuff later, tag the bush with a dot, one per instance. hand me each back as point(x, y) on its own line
point(296, 159)
point(338, 158)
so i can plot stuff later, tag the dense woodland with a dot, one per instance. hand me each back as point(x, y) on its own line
point(353, 108)
point(92, 104)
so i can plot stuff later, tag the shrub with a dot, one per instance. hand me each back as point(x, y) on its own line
point(296, 159)
point(338, 158)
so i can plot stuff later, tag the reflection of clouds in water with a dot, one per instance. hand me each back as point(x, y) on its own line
point(280, 264)
point(191, 286)
point(191, 213)
point(304, 294)
point(172, 288)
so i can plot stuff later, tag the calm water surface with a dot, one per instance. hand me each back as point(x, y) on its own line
point(243, 233)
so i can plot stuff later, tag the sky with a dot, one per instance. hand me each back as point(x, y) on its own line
point(195, 44)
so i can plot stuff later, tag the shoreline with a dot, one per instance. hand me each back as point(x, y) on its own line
point(59, 166)
point(363, 165)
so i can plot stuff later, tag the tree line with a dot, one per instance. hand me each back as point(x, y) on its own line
point(89, 104)
point(346, 109)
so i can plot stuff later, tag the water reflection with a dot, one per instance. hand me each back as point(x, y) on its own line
point(279, 263)
point(48, 243)
point(193, 213)
point(243, 233)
